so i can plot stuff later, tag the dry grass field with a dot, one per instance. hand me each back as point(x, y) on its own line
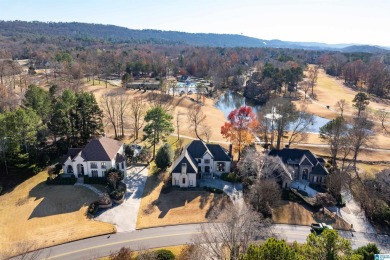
point(36, 215)
point(297, 214)
point(175, 207)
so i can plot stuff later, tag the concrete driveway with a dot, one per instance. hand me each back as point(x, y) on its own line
point(124, 216)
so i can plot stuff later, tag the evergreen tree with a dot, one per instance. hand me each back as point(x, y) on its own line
point(164, 157)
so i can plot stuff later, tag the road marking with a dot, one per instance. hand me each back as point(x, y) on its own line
point(119, 242)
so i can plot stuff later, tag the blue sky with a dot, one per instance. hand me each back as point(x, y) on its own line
point(329, 21)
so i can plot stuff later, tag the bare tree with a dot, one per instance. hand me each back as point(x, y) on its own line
point(313, 76)
point(196, 118)
point(324, 200)
point(301, 126)
point(111, 111)
point(382, 115)
point(230, 231)
point(123, 105)
point(360, 135)
point(137, 112)
point(265, 194)
point(305, 86)
point(206, 132)
point(341, 105)
point(178, 121)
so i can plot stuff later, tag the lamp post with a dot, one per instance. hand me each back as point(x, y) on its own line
point(273, 116)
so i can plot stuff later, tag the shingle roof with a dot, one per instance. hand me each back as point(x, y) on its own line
point(218, 152)
point(293, 154)
point(196, 149)
point(185, 158)
point(319, 170)
point(302, 157)
point(72, 153)
point(102, 149)
point(120, 158)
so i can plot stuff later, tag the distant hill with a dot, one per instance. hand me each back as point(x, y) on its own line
point(365, 48)
point(116, 34)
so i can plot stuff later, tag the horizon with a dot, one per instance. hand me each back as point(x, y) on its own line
point(317, 21)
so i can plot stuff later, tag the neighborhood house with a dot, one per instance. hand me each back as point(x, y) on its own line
point(95, 158)
point(199, 160)
point(302, 165)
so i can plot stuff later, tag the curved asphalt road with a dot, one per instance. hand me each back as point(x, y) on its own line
point(95, 247)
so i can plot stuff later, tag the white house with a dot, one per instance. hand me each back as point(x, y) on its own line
point(199, 160)
point(95, 158)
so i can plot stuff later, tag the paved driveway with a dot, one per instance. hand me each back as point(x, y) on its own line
point(124, 216)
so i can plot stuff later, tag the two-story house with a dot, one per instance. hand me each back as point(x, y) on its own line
point(302, 165)
point(95, 158)
point(199, 160)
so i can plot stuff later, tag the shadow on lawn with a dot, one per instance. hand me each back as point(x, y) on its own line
point(177, 199)
point(59, 199)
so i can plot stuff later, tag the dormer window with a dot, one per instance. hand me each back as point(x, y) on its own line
point(206, 160)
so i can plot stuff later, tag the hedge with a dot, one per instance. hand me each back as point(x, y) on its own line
point(213, 190)
point(59, 180)
point(230, 177)
point(95, 180)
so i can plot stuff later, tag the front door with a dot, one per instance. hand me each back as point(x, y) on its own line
point(305, 174)
point(207, 169)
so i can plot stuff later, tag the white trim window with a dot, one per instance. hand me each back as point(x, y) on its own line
point(94, 173)
point(103, 165)
point(94, 165)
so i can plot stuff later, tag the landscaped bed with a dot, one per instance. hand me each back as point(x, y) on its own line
point(36, 215)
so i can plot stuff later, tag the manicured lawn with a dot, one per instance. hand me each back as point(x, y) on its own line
point(35, 215)
point(175, 207)
point(296, 214)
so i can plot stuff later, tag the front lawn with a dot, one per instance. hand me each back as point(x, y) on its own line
point(175, 207)
point(36, 215)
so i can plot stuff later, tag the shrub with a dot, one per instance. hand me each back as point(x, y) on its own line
point(368, 251)
point(61, 180)
point(93, 208)
point(123, 254)
point(213, 190)
point(95, 180)
point(164, 156)
point(144, 155)
point(104, 199)
point(164, 254)
point(230, 177)
point(117, 195)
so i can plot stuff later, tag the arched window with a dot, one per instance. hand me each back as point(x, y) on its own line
point(69, 169)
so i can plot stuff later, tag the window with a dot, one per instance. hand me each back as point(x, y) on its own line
point(199, 160)
point(184, 180)
point(94, 173)
point(103, 165)
point(123, 165)
point(191, 183)
point(206, 160)
point(221, 166)
point(70, 169)
point(94, 165)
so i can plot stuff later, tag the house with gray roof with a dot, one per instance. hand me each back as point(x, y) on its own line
point(302, 165)
point(199, 160)
point(95, 158)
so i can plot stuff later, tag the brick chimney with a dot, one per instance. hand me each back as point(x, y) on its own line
point(183, 168)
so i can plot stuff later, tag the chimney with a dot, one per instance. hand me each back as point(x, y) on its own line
point(183, 168)
point(287, 146)
point(230, 150)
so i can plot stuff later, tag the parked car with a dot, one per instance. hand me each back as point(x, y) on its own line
point(136, 148)
point(319, 227)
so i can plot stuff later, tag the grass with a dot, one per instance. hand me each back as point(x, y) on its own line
point(35, 215)
point(175, 207)
point(293, 213)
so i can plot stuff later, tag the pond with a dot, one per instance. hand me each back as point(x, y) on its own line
point(231, 100)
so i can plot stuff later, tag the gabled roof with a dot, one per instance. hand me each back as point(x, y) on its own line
point(120, 158)
point(319, 170)
point(302, 157)
point(293, 155)
point(185, 158)
point(218, 152)
point(102, 149)
point(197, 149)
point(305, 161)
point(72, 153)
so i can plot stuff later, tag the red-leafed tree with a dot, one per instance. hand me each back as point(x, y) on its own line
point(240, 128)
